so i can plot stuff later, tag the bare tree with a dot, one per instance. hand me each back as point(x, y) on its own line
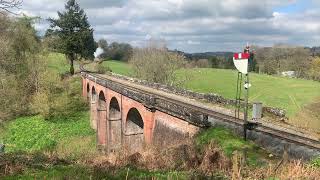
point(156, 64)
point(203, 63)
point(7, 5)
point(314, 71)
point(299, 60)
point(266, 63)
point(279, 58)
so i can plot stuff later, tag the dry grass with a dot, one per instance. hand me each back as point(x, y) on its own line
point(291, 170)
point(211, 161)
point(16, 163)
point(312, 114)
point(180, 157)
point(77, 148)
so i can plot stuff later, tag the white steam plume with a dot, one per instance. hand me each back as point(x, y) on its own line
point(98, 52)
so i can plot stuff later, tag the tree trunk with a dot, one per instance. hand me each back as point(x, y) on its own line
point(71, 59)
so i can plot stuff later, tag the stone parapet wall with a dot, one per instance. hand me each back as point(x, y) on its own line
point(271, 141)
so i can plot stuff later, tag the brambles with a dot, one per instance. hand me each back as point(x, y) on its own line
point(56, 98)
point(316, 162)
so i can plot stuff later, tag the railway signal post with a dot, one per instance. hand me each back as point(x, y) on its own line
point(241, 62)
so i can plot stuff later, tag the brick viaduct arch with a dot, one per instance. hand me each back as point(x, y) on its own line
point(93, 99)
point(121, 122)
point(134, 130)
point(101, 119)
point(131, 114)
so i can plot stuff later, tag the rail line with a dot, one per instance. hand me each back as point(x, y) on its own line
point(294, 137)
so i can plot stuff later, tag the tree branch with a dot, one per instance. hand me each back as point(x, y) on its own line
point(6, 5)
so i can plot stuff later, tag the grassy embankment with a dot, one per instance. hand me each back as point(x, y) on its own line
point(56, 148)
point(69, 137)
point(66, 136)
point(73, 140)
point(38, 168)
point(229, 143)
point(300, 98)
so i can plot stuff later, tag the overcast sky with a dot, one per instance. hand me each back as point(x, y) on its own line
point(195, 25)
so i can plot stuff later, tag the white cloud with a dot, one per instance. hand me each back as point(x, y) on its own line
point(202, 25)
point(193, 42)
point(148, 37)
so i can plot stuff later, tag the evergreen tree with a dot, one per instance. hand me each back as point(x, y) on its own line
point(74, 32)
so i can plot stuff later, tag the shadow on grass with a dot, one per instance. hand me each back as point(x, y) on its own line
point(230, 143)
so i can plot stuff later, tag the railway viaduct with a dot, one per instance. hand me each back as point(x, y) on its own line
point(126, 117)
point(131, 115)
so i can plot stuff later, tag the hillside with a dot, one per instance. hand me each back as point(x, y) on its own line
point(65, 147)
point(208, 55)
point(294, 95)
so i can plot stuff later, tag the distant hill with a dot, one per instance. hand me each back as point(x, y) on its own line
point(315, 51)
point(206, 55)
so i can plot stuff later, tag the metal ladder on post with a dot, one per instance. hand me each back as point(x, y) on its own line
point(239, 101)
point(238, 97)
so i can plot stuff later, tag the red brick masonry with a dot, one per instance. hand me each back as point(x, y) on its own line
point(105, 122)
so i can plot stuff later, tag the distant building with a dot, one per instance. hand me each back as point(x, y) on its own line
point(290, 74)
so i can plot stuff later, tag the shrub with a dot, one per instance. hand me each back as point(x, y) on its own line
point(203, 63)
point(19, 49)
point(157, 65)
point(40, 104)
point(99, 68)
point(314, 71)
point(56, 98)
point(316, 162)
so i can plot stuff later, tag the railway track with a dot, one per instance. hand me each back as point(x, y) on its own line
point(288, 135)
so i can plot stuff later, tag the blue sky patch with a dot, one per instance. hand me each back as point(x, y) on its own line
point(295, 7)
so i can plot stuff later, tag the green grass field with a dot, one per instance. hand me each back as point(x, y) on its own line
point(57, 62)
point(119, 67)
point(286, 93)
point(32, 134)
point(293, 95)
point(290, 94)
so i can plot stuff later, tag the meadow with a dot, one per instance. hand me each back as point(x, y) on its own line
point(33, 134)
point(288, 93)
